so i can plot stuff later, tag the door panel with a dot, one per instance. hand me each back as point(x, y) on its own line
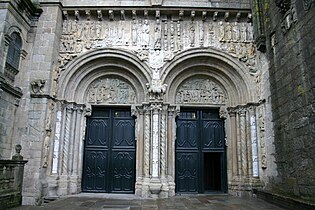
point(212, 135)
point(187, 172)
point(123, 171)
point(109, 157)
point(199, 149)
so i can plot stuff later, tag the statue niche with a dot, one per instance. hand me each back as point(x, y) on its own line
point(200, 91)
point(110, 91)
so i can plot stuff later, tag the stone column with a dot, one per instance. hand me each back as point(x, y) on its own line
point(155, 182)
point(242, 114)
point(253, 135)
point(138, 111)
point(234, 140)
point(56, 145)
point(171, 135)
point(147, 140)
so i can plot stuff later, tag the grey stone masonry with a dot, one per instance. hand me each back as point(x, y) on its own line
point(291, 52)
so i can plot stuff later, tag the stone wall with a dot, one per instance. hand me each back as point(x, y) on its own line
point(290, 36)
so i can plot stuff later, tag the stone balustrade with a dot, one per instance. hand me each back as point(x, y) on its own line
point(11, 180)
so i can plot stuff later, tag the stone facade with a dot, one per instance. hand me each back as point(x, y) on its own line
point(154, 57)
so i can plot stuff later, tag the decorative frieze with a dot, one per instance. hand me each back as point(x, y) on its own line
point(110, 91)
point(201, 91)
point(155, 40)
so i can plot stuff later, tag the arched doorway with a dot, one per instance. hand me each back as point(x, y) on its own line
point(97, 137)
point(214, 101)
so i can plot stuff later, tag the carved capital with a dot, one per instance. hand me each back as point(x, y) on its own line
point(223, 112)
point(88, 110)
point(242, 112)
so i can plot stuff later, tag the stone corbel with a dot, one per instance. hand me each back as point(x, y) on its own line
point(88, 14)
point(215, 16)
point(111, 15)
point(134, 14)
point(77, 14)
point(226, 16)
point(192, 15)
point(122, 15)
point(181, 14)
point(204, 15)
point(145, 14)
point(37, 86)
point(99, 15)
point(65, 15)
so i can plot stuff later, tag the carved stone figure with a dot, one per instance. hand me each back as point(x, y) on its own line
point(228, 32)
point(210, 34)
point(179, 39)
point(221, 32)
point(192, 34)
point(157, 36)
point(236, 32)
point(145, 41)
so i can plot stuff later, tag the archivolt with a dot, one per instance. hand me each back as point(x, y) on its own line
point(230, 73)
point(114, 63)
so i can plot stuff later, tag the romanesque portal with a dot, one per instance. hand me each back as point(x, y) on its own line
point(155, 106)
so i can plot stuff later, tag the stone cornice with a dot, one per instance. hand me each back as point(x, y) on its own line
point(163, 12)
point(24, 8)
point(15, 91)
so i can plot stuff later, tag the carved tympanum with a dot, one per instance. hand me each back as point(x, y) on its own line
point(110, 91)
point(200, 91)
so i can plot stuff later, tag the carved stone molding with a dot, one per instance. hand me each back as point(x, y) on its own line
point(110, 91)
point(200, 91)
point(308, 4)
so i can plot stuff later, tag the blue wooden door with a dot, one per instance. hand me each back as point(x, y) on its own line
point(200, 163)
point(109, 152)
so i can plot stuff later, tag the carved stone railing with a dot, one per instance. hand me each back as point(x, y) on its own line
point(11, 180)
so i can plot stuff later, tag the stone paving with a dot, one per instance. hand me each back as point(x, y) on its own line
point(131, 202)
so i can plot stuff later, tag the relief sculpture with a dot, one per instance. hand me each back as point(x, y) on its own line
point(200, 91)
point(110, 91)
point(143, 36)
